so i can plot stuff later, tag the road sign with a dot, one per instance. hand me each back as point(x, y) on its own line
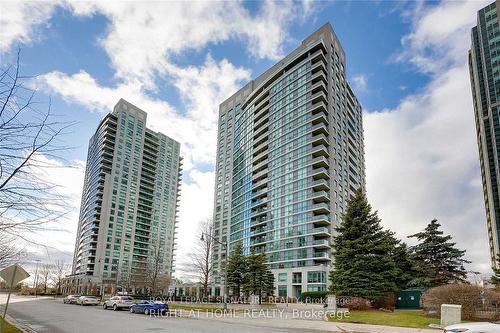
point(13, 275)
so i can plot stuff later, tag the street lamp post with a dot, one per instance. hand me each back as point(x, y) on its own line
point(225, 245)
point(101, 288)
point(36, 275)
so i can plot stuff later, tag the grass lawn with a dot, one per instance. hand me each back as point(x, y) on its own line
point(195, 307)
point(402, 318)
point(8, 328)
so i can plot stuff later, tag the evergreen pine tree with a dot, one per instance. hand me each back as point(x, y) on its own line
point(363, 264)
point(402, 258)
point(236, 268)
point(495, 278)
point(436, 259)
point(258, 277)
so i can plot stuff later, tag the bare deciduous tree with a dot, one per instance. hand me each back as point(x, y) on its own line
point(29, 143)
point(156, 278)
point(60, 269)
point(201, 258)
point(45, 273)
point(9, 252)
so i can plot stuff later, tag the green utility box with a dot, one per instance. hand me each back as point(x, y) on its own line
point(408, 299)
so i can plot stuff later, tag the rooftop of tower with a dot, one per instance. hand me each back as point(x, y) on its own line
point(325, 30)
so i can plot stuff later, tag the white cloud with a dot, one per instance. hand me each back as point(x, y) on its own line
point(201, 89)
point(360, 82)
point(143, 36)
point(56, 240)
point(441, 34)
point(19, 21)
point(422, 156)
point(196, 205)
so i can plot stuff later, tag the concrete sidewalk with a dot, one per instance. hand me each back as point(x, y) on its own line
point(316, 325)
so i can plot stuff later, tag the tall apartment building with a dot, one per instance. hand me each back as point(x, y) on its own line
point(484, 67)
point(290, 154)
point(128, 213)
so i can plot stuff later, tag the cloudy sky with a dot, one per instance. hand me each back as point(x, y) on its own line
point(407, 62)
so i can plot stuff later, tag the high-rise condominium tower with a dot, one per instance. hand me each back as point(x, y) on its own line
point(484, 66)
point(290, 154)
point(128, 215)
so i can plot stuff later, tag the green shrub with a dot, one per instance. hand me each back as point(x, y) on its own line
point(476, 302)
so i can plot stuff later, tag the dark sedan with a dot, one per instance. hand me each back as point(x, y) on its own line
point(149, 307)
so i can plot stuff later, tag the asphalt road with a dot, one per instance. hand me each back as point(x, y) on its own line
point(49, 315)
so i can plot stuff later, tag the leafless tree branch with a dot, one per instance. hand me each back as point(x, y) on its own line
point(30, 146)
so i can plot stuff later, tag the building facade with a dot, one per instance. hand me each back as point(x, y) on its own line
point(484, 67)
point(290, 154)
point(128, 215)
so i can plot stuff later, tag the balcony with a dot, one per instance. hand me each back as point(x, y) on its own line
point(319, 139)
point(260, 131)
point(319, 97)
point(319, 118)
point(260, 112)
point(321, 196)
point(259, 203)
point(260, 175)
point(321, 208)
point(320, 161)
point(318, 86)
point(320, 173)
point(318, 74)
point(261, 120)
point(321, 220)
point(320, 129)
point(258, 212)
point(320, 232)
point(259, 221)
point(259, 194)
point(320, 150)
point(264, 138)
point(321, 256)
point(260, 184)
point(261, 147)
point(260, 157)
point(259, 231)
point(260, 166)
point(319, 107)
point(321, 244)
point(320, 185)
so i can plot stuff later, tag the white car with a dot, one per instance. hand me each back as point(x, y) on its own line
point(87, 300)
point(482, 327)
point(118, 303)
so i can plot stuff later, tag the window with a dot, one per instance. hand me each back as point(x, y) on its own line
point(316, 288)
point(282, 277)
point(282, 292)
point(316, 277)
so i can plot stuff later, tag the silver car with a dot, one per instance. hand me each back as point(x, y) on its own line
point(118, 303)
point(71, 299)
point(87, 300)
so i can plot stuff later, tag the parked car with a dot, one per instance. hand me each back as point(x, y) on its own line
point(118, 303)
point(87, 300)
point(480, 327)
point(71, 299)
point(148, 307)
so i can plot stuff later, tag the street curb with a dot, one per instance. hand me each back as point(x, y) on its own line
point(18, 325)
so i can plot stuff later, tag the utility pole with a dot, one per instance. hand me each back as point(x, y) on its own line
point(36, 275)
